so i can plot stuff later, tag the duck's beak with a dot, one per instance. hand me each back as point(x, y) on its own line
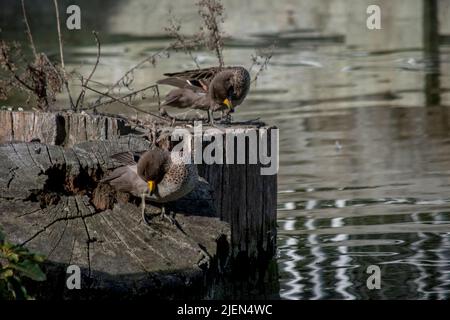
point(228, 103)
point(151, 186)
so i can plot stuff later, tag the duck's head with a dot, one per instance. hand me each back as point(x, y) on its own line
point(151, 167)
point(230, 87)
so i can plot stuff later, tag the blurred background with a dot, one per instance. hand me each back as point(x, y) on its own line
point(363, 116)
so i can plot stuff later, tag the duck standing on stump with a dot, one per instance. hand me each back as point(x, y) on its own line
point(211, 89)
point(157, 175)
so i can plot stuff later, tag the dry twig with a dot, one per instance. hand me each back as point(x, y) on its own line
point(28, 31)
point(180, 40)
point(211, 12)
point(124, 103)
point(84, 83)
point(261, 59)
point(127, 78)
point(127, 96)
point(39, 78)
point(210, 37)
point(61, 53)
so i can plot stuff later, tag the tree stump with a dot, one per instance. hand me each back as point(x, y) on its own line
point(51, 201)
point(60, 128)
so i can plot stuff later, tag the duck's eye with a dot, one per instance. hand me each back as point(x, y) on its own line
point(230, 92)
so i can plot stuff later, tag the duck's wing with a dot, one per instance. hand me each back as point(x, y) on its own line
point(196, 80)
point(196, 74)
point(184, 98)
point(124, 179)
point(127, 158)
point(180, 83)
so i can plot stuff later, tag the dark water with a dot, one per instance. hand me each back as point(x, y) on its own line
point(364, 125)
point(380, 198)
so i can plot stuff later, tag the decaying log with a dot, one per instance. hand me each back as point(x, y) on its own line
point(50, 200)
point(60, 128)
point(247, 200)
point(118, 255)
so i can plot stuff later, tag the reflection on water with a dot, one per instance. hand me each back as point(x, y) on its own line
point(379, 199)
point(364, 133)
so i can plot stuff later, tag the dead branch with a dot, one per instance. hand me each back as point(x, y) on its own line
point(95, 82)
point(129, 95)
point(124, 103)
point(211, 11)
point(61, 53)
point(261, 59)
point(58, 26)
point(210, 37)
point(39, 79)
point(124, 80)
point(82, 94)
point(180, 40)
point(8, 65)
point(28, 31)
point(97, 40)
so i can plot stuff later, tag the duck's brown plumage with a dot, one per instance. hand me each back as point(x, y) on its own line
point(207, 88)
point(196, 79)
point(173, 177)
point(186, 98)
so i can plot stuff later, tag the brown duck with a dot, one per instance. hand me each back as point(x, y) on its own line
point(211, 89)
point(157, 175)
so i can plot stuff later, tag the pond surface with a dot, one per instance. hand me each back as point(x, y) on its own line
point(364, 125)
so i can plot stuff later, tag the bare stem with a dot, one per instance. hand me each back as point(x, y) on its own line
point(174, 30)
point(58, 26)
point(97, 40)
point(30, 36)
point(211, 12)
point(82, 94)
point(125, 103)
point(11, 69)
point(96, 105)
point(61, 53)
point(265, 55)
point(151, 59)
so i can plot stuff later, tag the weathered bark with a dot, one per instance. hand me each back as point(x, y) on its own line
point(50, 199)
point(59, 128)
point(247, 200)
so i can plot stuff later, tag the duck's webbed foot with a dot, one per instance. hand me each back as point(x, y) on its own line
point(163, 214)
point(169, 216)
point(210, 117)
point(152, 211)
point(226, 117)
point(164, 114)
point(144, 217)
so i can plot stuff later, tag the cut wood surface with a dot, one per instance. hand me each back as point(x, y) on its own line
point(247, 200)
point(51, 201)
point(60, 128)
